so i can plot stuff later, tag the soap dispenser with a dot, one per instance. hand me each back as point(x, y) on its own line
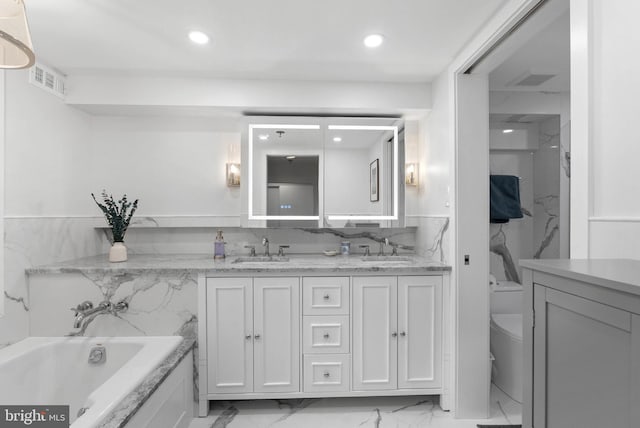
point(218, 250)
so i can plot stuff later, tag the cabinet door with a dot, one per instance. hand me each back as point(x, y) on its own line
point(375, 336)
point(419, 331)
point(276, 334)
point(585, 362)
point(229, 335)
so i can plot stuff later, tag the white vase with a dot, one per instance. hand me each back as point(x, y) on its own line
point(118, 252)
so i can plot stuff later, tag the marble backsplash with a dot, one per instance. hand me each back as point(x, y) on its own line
point(158, 305)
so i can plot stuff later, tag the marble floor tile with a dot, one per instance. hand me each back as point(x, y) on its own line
point(376, 412)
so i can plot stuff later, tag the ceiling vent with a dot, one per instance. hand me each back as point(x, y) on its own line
point(48, 79)
point(531, 78)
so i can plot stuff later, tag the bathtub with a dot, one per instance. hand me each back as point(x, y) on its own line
point(56, 371)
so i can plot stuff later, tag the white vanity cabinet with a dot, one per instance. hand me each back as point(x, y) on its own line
point(397, 332)
point(253, 335)
point(326, 334)
point(320, 336)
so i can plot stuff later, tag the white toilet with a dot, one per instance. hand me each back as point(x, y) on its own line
point(506, 336)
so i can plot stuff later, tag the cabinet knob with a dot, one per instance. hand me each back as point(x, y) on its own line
point(327, 374)
point(403, 334)
point(256, 337)
point(248, 336)
point(326, 335)
point(326, 296)
point(394, 334)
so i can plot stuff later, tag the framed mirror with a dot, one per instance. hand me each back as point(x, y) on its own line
point(324, 172)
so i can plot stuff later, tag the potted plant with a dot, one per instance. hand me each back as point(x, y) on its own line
point(118, 216)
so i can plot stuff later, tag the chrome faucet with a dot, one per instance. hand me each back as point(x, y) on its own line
point(265, 244)
point(281, 249)
point(394, 251)
point(85, 312)
point(383, 242)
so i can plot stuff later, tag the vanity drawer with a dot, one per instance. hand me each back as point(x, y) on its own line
point(325, 295)
point(326, 373)
point(325, 334)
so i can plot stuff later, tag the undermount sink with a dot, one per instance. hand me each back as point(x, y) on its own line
point(261, 259)
point(386, 259)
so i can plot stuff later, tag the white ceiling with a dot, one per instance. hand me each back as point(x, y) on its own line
point(548, 52)
point(275, 39)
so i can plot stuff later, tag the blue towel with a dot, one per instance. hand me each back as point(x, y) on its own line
point(504, 198)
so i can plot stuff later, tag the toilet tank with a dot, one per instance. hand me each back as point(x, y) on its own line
point(505, 297)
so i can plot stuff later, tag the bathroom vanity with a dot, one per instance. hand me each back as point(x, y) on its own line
point(581, 343)
point(313, 328)
point(307, 325)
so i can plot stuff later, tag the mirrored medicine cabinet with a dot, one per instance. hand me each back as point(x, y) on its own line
point(323, 172)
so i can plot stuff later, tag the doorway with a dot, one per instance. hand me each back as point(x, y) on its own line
point(470, 76)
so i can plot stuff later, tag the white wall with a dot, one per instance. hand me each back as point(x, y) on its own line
point(174, 165)
point(46, 164)
point(605, 92)
point(435, 155)
point(240, 95)
point(47, 152)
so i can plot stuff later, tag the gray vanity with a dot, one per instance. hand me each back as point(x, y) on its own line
point(581, 343)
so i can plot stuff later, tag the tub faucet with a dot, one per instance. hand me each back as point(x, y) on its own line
point(85, 312)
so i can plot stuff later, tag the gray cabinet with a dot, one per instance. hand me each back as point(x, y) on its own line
point(582, 354)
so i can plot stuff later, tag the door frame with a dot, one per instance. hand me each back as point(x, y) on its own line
point(470, 396)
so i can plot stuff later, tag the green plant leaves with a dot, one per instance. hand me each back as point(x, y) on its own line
point(118, 214)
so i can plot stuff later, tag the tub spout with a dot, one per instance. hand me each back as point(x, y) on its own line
point(85, 312)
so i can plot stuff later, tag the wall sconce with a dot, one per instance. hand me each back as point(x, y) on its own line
point(233, 174)
point(411, 174)
point(16, 49)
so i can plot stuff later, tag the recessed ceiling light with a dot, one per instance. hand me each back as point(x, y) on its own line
point(373, 40)
point(198, 37)
point(263, 137)
point(507, 131)
point(337, 139)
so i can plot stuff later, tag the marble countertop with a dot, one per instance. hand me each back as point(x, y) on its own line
point(204, 263)
point(616, 274)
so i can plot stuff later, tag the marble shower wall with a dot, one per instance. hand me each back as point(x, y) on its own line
point(512, 241)
point(548, 166)
point(541, 170)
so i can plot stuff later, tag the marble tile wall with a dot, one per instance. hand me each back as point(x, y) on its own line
point(159, 303)
point(432, 237)
point(199, 240)
point(31, 242)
